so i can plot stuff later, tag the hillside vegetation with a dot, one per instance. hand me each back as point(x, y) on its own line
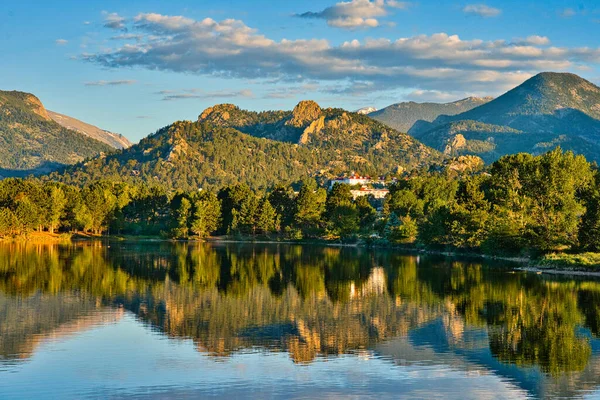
point(31, 142)
point(228, 145)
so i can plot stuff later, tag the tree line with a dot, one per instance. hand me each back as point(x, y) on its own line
point(521, 203)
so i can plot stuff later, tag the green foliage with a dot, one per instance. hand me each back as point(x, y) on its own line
point(400, 230)
point(309, 208)
point(524, 205)
point(341, 212)
point(207, 214)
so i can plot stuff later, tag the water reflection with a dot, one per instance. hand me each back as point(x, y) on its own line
point(310, 303)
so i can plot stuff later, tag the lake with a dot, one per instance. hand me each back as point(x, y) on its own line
point(163, 320)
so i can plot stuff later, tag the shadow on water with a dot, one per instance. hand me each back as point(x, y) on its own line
point(311, 302)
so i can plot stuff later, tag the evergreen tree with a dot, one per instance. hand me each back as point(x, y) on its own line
point(206, 215)
point(267, 220)
point(309, 208)
point(180, 217)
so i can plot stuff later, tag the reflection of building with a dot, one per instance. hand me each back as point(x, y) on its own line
point(374, 285)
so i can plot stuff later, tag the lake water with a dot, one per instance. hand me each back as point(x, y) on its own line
point(160, 320)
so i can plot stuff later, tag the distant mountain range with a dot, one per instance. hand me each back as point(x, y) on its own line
point(115, 140)
point(547, 110)
point(366, 110)
point(229, 145)
point(402, 116)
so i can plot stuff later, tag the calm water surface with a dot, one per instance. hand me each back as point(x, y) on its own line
point(176, 320)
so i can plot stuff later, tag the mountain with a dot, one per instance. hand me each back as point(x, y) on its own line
point(402, 116)
point(366, 110)
point(229, 145)
point(31, 142)
point(547, 110)
point(115, 140)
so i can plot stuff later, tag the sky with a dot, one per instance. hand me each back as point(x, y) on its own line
point(133, 67)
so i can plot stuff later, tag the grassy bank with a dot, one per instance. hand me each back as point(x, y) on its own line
point(569, 262)
point(38, 237)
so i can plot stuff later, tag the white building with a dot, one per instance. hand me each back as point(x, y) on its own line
point(351, 180)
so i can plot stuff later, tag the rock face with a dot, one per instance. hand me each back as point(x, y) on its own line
point(219, 113)
point(304, 113)
point(114, 140)
point(547, 110)
point(36, 106)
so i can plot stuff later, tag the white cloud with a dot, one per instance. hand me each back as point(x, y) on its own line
point(356, 14)
point(434, 96)
point(61, 42)
point(114, 21)
point(127, 36)
point(401, 5)
point(567, 13)
point(482, 10)
point(169, 95)
point(231, 49)
point(534, 40)
point(110, 83)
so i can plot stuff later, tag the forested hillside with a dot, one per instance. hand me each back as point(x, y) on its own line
point(31, 142)
point(523, 204)
point(228, 145)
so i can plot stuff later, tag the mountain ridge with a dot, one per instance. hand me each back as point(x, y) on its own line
point(402, 116)
point(548, 109)
point(228, 145)
point(112, 139)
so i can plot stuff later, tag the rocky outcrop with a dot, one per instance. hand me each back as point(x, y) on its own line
point(218, 113)
point(304, 113)
point(37, 106)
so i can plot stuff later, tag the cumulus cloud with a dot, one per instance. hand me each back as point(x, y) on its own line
point(534, 40)
point(114, 21)
point(169, 95)
point(567, 13)
point(482, 10)
point(435, 96)
point(110, 83)
point(61, 42)
point(127, 36)
point(231, 49)
point(356, 14)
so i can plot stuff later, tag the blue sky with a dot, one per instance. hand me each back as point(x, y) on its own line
point(135, 66)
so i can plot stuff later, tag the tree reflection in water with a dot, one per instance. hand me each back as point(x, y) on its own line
point(306, 301)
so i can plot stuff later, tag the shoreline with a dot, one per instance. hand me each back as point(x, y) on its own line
point(556, 271)
point(530, 264)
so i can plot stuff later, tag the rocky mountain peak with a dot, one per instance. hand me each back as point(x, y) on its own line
point(304, 113)
point(219, 112)
point(36, 106)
